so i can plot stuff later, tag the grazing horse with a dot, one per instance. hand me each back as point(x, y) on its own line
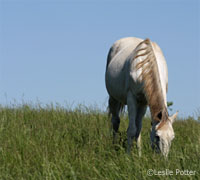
point(137, 76)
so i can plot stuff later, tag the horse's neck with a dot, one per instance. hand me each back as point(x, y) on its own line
point(153, 74)
point(163, 76)
point(163, 72)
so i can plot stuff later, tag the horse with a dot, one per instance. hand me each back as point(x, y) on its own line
point(137, 76)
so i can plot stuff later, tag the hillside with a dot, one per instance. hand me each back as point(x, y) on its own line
point(56, 143)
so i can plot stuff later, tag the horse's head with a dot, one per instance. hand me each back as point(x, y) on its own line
point(162, 134)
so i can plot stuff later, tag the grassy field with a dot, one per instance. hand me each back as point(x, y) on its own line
point(55, 143)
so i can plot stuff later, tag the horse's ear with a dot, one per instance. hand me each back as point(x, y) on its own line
point(173, 117)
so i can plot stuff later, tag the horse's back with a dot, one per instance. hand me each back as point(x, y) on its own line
point(119, 45)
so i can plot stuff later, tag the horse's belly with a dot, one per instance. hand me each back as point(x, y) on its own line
point(117, 82)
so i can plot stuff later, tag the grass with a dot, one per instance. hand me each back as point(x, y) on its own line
point(56, 143)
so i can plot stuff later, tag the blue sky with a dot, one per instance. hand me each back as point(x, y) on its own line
point(55, 51)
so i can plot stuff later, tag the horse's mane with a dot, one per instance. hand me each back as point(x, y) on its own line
point(151, 79)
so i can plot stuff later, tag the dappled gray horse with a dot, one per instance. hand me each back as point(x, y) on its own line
point(137, 76)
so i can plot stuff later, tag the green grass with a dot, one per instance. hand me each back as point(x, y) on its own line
point(55, 143)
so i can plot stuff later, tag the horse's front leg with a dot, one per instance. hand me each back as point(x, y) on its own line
point(132, 114)
point(140, 114)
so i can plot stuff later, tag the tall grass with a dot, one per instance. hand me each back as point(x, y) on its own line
point(58, 143)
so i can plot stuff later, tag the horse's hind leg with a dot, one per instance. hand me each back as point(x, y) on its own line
point(114, 109)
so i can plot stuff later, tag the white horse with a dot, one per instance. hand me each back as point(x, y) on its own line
point(137, 76)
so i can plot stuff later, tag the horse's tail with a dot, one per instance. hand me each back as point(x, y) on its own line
point(150, 77)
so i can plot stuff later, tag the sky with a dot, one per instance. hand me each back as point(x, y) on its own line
point(55, 51)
